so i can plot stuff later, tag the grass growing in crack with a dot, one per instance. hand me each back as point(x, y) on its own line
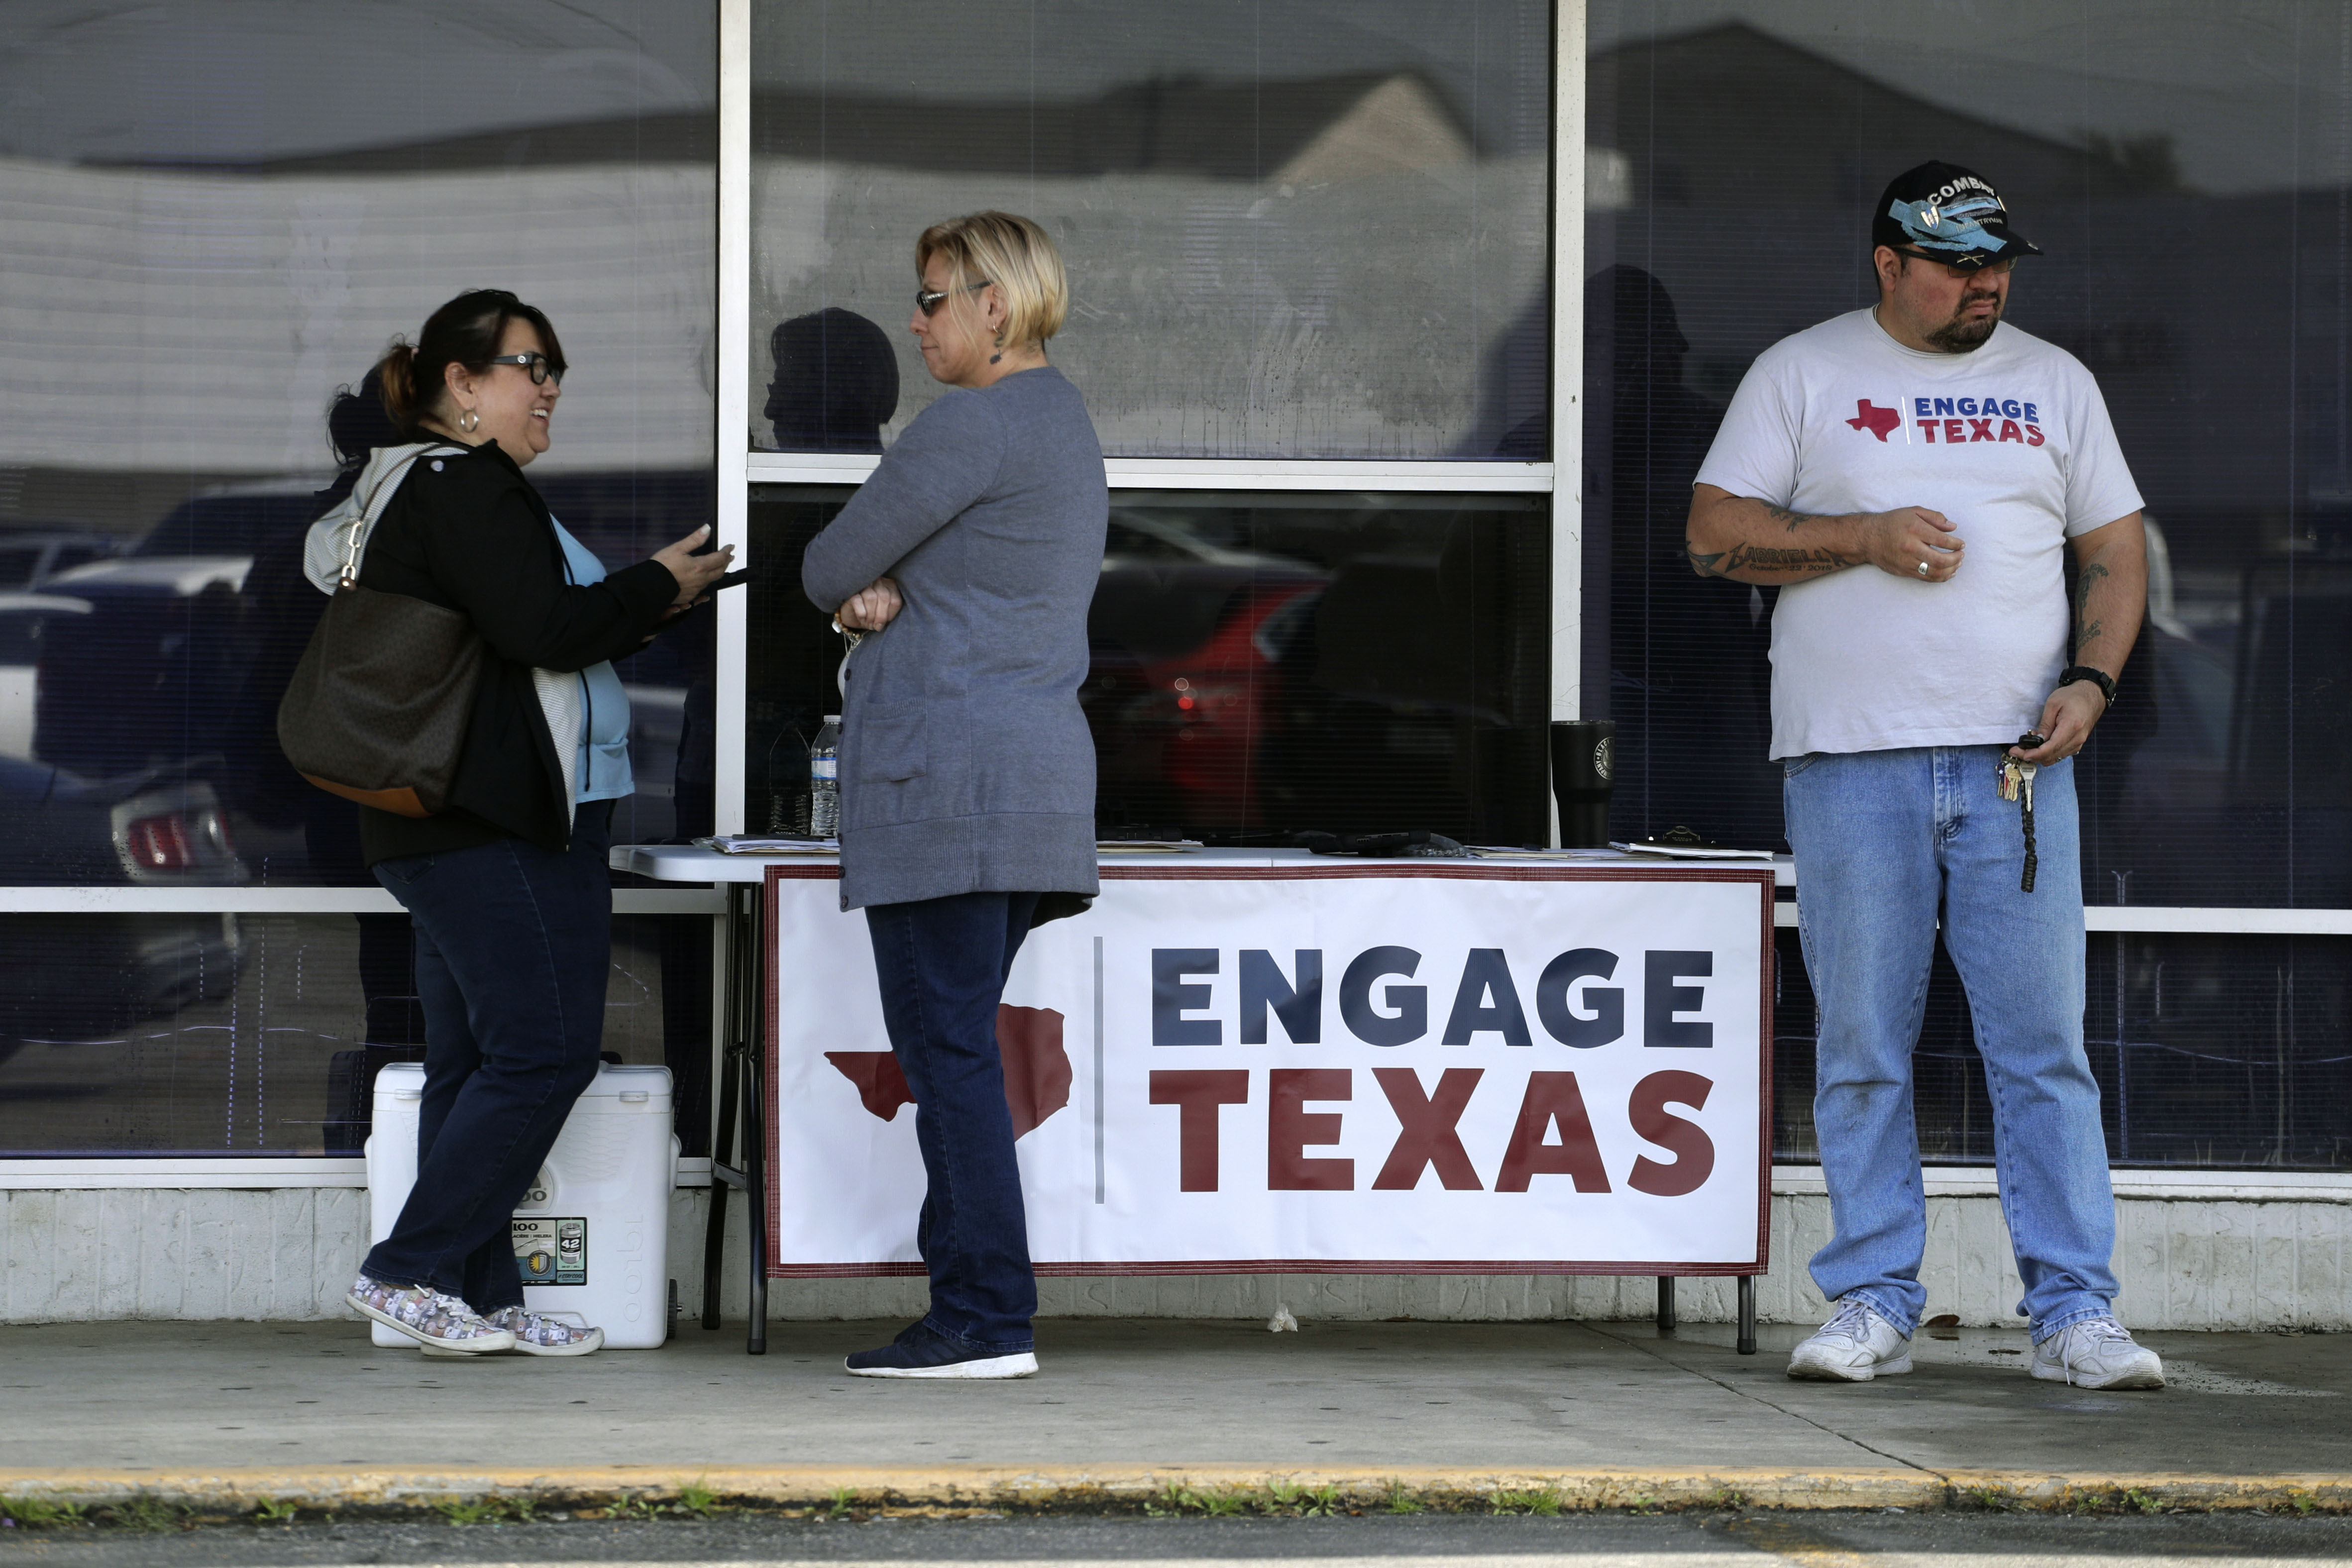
point(1304, 1502)
point(1543, 1502)
point(1401, 1501)
point(40, 1512)
point(841, 1499)
point(1175, 1501)
point(275, 1510)
point(696, 1501)
point(148, 1513)
point(479, 1510)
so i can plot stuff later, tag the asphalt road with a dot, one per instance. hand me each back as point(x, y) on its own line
point(1684, 1540)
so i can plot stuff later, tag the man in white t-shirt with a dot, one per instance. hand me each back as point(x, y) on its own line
point(1912, 475)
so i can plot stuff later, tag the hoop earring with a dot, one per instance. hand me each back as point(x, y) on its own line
point(469, 422)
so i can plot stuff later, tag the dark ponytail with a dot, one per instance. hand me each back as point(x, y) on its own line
point(466, 331)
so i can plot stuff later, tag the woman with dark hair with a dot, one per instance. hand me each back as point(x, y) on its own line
point(967, 769)
point(506, 887)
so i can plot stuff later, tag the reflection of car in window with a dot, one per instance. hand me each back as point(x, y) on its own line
point(1184, 679)
point(30, 558)
point(102, 971)
point(22, 617)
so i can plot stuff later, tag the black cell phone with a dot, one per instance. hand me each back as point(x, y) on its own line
point(735, 578)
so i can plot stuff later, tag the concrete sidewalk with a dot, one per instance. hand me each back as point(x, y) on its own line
point(218, 1416)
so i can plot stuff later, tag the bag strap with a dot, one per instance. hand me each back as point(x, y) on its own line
point(363, 521)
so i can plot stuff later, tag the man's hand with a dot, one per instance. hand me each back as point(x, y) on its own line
point(1898, 542)
point(871, 608)
point(695, 573)
point(2073, 711)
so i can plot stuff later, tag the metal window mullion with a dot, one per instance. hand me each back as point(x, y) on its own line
point(731, 404)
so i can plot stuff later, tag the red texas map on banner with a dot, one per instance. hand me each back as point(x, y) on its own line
point(1489, 1070)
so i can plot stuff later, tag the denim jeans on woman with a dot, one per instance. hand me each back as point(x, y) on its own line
point(512, 949)
point(942, 963)
point(1885, 841)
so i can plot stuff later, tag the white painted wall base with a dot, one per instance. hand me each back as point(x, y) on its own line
point(2195, 1250)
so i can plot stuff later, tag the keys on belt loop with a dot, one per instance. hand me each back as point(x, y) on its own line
point(2016, 783)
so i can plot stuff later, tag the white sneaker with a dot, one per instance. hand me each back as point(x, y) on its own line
point(1856, 1345)
point(2097, 1353)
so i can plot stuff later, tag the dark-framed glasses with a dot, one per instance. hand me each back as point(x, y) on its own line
point(928, 299)
point(541, 367)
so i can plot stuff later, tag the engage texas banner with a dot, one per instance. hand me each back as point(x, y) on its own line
point(1480, 1068)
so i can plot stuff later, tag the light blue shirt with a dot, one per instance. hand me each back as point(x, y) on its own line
point(603, 773)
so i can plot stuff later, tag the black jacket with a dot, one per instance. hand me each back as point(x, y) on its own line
point(469, 533)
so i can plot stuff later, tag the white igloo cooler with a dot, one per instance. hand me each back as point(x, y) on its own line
point(591, 1236)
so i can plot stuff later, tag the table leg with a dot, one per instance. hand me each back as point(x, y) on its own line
point(1665, 1303)
point(722, 1145)
point(1748, 1314)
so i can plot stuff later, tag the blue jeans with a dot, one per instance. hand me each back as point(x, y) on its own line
point(942, 963)
point(512, 949)
point(1883, 838)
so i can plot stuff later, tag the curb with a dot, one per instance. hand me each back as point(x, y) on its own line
point(1177, 1489)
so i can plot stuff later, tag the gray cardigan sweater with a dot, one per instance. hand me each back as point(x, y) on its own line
point(966, 764)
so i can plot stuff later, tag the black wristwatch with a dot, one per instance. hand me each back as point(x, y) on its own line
point(2099, 678)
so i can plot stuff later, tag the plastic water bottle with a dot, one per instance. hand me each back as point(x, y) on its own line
point(824, 780)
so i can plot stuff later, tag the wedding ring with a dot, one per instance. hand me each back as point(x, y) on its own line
point(1923, 568)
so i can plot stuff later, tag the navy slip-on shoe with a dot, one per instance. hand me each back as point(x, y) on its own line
point(922, 1350)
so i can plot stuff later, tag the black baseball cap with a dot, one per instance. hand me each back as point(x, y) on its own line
point(1943, 211)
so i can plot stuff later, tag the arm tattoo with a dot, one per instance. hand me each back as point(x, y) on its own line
point(2087, 631)
point(1746, 557)
point(1783, 514)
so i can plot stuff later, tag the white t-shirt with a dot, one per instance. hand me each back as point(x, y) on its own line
point(2010, 443)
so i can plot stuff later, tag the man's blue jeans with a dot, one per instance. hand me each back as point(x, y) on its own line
point(942, 962)
point(513, 944)
point(1882, 840)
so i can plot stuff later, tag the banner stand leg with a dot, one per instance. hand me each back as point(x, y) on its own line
point(1748, 1314)
point(1665, 1303)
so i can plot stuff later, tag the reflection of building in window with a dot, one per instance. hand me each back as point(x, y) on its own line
point(1348, 264)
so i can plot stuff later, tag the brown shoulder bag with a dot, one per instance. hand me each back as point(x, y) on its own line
point(377, 709)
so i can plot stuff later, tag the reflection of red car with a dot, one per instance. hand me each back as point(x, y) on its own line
point(1186, 681)
point(1224, 694)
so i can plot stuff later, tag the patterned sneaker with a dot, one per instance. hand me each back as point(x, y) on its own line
point(1856, 1345)
point(539, 1333)
point(428, 1317)
point(2097, 1353)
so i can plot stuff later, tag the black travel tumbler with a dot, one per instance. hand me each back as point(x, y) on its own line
point(1581, 768)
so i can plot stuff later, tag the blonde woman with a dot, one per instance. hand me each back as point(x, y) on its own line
point(967, 769)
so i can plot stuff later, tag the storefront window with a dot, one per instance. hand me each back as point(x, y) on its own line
point(2191, 190)
point(1720, 222)
point(1263, 663)
point(1295, 229)
point(211, 219)
point(261, 1034)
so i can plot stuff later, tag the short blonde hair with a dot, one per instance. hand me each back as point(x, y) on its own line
point(1013, 253)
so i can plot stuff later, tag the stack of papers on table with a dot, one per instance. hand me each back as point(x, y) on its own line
point(738, 844)
point(1506, 851)
point(1692, 851)
point(1146, 846)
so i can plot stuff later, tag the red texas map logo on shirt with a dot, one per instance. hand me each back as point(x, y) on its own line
point(1878, 421)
